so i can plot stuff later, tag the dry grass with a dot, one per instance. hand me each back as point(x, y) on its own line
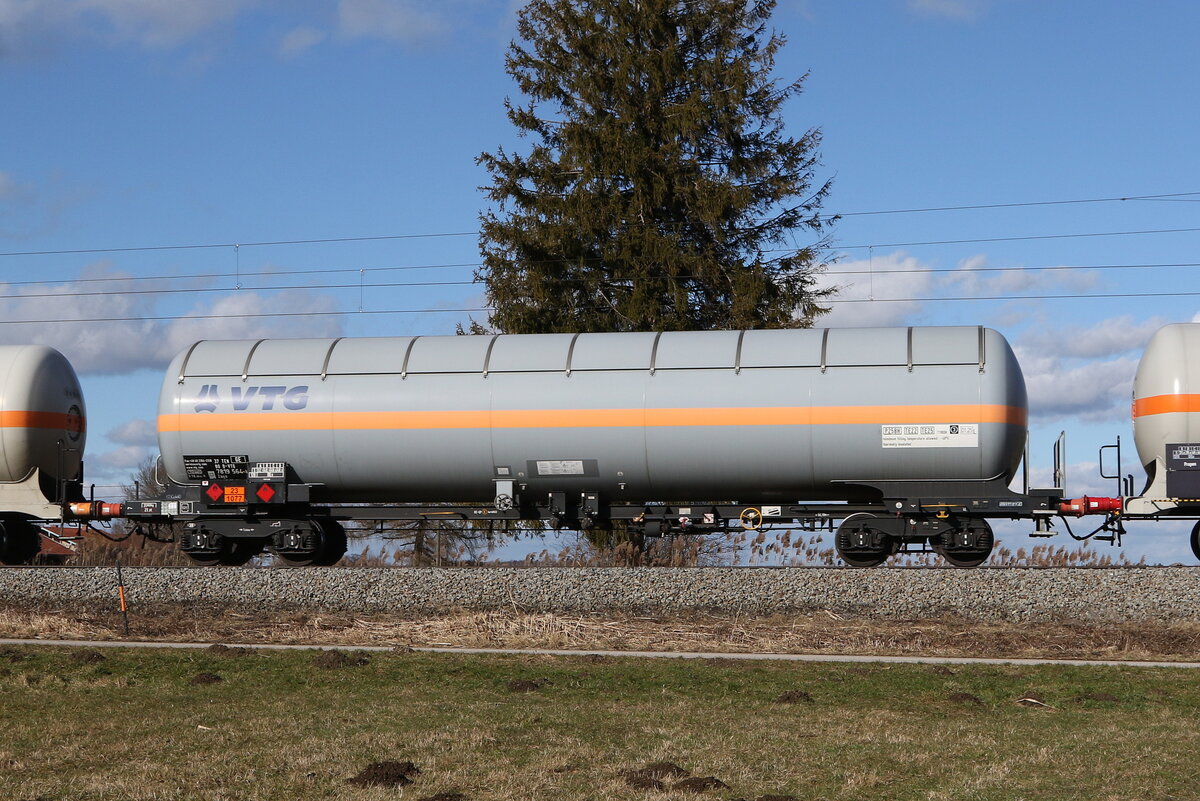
point(135, 727)
point(812, 633)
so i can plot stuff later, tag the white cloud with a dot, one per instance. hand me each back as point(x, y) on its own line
point(298, 40)
point(1111, 337)
point(8, 186)
point(975, 277)
point(1097, 391)
point(134, 432)
point(868, 290)
point(404, 21)
point(30, 26)
point(115, 333)
point(951, 9)
point(125, 458)
point(160, 23)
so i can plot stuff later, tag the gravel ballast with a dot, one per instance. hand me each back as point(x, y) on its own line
point(1013, 594)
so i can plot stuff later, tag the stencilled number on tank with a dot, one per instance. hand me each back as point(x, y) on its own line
point(936, 435)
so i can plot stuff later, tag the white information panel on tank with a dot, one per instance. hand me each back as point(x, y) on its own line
point(560, 467)
point(934, 435)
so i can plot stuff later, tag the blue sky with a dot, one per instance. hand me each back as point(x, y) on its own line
point(152, 123)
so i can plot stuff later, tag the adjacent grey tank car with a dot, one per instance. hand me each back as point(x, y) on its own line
point(42, 436)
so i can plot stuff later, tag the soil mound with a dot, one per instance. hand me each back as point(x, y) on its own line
point(333, 660)
point(523, 686)
point(794, 697)
point(87, 656)
point(700, 784)
point(941, 670)
point(206, 678)
point(443, 797)
point(385, 774)
point(217, 649)
point(965, 698)
point(640, 782)
point(11, 655)
point(651, 777)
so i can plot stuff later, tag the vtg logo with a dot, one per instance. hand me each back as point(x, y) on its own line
point(208, 399)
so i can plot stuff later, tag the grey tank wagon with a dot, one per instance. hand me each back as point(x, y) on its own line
point(909, 436)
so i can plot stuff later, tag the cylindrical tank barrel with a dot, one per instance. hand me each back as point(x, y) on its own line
point(42, 417)
point(1166, 392)
point(676, 416)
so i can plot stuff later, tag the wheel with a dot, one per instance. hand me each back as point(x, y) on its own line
point(860, 545)
point(204, 558)
point(19, 542)
point(969, 546)
point(324, 545)
point(333, 547)
point(1196, 539)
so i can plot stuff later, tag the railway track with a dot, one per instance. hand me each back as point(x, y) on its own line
point(1003, 594)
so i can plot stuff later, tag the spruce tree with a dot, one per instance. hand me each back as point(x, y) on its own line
point(660, 191)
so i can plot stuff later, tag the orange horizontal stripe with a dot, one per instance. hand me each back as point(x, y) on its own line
point(1166, 404)
point(595, 418)
point(52, 420)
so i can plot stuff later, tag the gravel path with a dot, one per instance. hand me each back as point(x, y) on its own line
point(1013, 594)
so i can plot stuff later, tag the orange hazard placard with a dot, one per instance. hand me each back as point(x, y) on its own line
point(235, 495)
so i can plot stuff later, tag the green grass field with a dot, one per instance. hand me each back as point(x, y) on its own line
point(127, 724)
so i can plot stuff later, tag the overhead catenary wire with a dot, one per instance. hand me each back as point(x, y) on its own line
point(359, 285)
point(478, 309)
point(450, 234)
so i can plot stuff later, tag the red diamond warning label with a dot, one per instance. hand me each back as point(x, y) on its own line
point(215, 492)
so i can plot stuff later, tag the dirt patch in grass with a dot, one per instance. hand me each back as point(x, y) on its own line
point(794, 697)
point(452, 796)
point(385, 774)
point(335, 660)
point(523, 686)
point(967, 699)
point(654, 776)
point(12, 655)
point(699, 784)
point(799, 633)
point(218, 649)
point(87, 656)
point(206, 678)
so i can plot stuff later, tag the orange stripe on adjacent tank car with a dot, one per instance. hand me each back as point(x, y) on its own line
point(597, 418)
point(51, 420)
point(1166, 404)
